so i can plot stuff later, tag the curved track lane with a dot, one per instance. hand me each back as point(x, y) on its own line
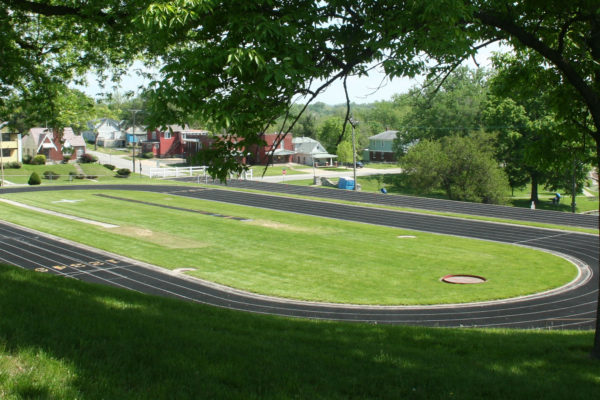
point(572, 309)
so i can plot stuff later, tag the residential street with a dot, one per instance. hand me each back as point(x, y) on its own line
point(122, 161)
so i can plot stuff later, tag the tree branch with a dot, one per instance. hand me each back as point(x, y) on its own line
point(508, 26)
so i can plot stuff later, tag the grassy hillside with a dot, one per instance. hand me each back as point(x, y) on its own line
point(65, 339)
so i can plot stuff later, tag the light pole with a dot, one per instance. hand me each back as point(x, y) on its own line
point(134, 139)
point(353, 122)
point(2, 125)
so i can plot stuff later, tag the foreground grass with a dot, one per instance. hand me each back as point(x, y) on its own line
point(65, 339)
point(294, 256)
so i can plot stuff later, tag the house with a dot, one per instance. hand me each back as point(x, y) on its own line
point(175, 141)
point(42, 141)
point(72, 144)
point(55, 148)
point(381, 146)
point(105, 132)
point(135, 134)
point(273, 152)
point(310, 152)
point(11, 146)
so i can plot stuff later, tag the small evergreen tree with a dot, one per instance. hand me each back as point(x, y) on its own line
point(34, 179)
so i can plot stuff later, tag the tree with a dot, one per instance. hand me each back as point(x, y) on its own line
point(47, 45)
point(452, 108)
point(329, 133)
point(536, 138)
point(462, 166)
point(344, 152)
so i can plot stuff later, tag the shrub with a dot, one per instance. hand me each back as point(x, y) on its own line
point(66, 159)
point(88, 158)
point(109, 166)
point(123, 172)
point(91, 177)
point(148, 155)
point(40, 159)
point(51, 175)
point(27, 159)
point(76, 175)
point(34, 179)
point(14, 165)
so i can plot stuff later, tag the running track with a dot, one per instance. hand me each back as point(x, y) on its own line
point(567, 309)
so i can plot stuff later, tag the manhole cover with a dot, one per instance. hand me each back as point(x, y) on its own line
point(463, 279)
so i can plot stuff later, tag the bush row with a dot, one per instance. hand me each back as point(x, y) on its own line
point(13, 165)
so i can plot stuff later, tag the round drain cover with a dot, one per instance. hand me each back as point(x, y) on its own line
point(463, 279)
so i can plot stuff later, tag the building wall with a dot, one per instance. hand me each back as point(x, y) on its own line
point(11, 147)
point(381, 145)
point(382, 156)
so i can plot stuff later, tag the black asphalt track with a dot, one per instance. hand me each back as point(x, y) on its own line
point(423, 203)
point(571, 309)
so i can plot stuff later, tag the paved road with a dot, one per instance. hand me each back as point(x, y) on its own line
point(573, 309)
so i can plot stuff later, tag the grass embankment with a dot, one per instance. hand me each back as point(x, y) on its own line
point(95, 173)
point(295, 256)
point(65, 339)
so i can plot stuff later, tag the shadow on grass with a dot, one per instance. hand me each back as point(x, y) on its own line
point(119, 344)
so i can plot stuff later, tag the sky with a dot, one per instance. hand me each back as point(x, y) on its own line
point(367, 89)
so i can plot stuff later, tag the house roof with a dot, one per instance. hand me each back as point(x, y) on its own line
point(387, 135)
point(283, 152)
point(42, 137)
point(97, 123)
point(306, 145)
point(139, 130)
point(71, 138)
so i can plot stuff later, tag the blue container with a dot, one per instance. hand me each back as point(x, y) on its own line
point(346, 183)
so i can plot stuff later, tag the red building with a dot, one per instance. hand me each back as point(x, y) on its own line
point(175, 141)
point(178, 141)
point(278, 150)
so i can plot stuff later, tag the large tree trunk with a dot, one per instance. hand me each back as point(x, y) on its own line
point(596, 349)
point(534, 188)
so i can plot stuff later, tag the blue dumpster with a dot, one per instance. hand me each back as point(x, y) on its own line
point(346, 183)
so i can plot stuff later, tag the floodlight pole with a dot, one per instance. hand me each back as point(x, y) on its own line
point(2, 125)
point(353, 122)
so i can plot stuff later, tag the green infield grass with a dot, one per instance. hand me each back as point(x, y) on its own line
point(63, 339)
point(292, 255)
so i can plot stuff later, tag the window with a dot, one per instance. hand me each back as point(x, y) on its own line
point(6, 152)
point(6, 137)
point(168, 135)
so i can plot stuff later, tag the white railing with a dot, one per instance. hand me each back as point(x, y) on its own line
point(176, 172)
point(200, 172)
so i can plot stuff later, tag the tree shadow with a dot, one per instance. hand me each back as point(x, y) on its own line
point(126, 345)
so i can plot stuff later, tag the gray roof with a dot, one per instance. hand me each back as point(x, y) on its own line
point(387, 135)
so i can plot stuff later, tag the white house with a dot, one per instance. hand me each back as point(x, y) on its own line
point(309, 151)
point(108, 131)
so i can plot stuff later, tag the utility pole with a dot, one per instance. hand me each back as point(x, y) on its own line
point(2, 125)
point(134, 139)
point(353, 122)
